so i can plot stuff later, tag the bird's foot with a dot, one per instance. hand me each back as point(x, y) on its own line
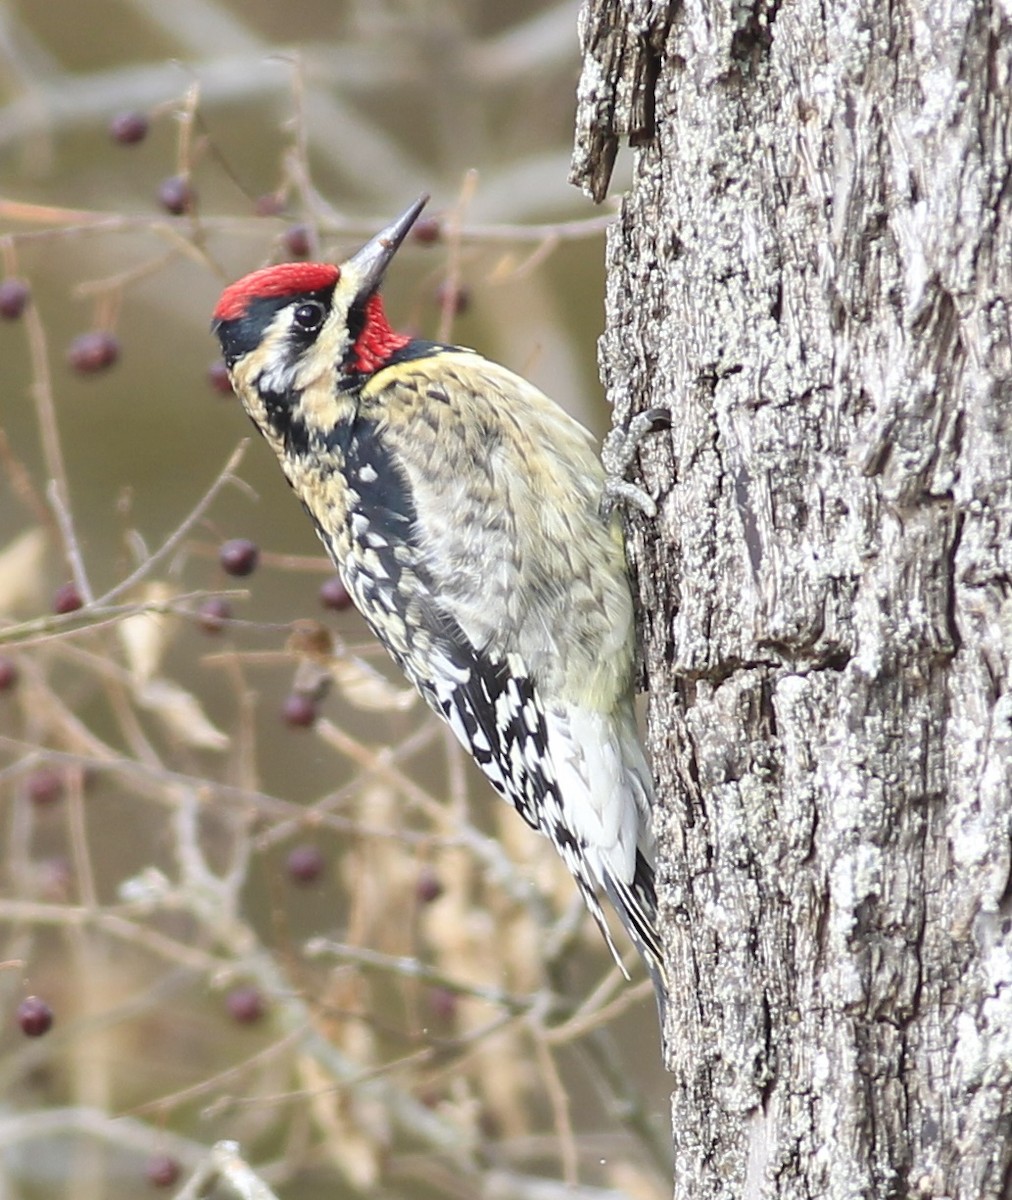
point(617, 453)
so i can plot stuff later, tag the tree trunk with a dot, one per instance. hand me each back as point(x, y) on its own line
point(812, 270)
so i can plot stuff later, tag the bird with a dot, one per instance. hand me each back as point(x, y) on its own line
point(471, 521)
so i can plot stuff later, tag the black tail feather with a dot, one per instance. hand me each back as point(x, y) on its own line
point(636, 905)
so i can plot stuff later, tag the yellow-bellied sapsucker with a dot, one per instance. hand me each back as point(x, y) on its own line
point(466, 514)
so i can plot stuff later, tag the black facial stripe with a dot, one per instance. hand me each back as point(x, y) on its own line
point(356, 318)
point(350, 379)
point(240, 335)
point(280, 414)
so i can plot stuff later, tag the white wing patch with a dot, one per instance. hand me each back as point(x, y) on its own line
point(592, 782)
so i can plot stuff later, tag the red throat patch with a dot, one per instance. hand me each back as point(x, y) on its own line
point(377, 342)
point(286, 279)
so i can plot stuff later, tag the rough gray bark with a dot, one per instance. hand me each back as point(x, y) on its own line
point(812, 270)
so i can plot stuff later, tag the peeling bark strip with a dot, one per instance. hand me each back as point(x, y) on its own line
point(813, 269)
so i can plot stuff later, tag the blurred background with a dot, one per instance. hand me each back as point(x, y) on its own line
point(248, 888)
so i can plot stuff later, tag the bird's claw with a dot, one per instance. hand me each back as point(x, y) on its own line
point(617, 453)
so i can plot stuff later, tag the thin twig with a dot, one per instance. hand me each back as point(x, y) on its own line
point(226, 1166)
point(225, 476)
point(56, 493)
point(210, 1083)
point(98, 616)
point(70, 222)
point(123, 279)
point(559, 1100)
point(52, 452)
point(451, 285)
point(161, 782)
point(414, 968)
point(117, 924)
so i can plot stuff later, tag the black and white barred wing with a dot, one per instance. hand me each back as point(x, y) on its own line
point(563, 770)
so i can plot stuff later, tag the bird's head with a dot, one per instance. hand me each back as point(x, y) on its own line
point(279, 327)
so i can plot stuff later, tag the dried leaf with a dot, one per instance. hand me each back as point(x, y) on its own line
point(355, 1137)
point(310, 639)
point(21, 571)
point(146, 635)
point(180, 711)
point(367, 689)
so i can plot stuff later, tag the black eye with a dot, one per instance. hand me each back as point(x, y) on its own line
point(310, 316)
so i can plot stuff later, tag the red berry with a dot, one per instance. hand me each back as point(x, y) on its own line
point(14, 297)
point(245, 1005)
point(94, 351)
point(176, 195)
point(239, 556)
point(34, 1016)
point(333, 594)
point(67, 599)
point(217, 377)
point(305, 863)
point(457, 298)
point(427, 230)
point(443, 1003)
point(270, 204)
point(298, 710)
point(298, 240)
point(428, 886)
point(128, 128)
point(162, 1170)
point(45, 786)
point(213, 613)
point(8, 673)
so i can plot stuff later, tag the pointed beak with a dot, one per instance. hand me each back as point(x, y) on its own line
point(371, 262)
